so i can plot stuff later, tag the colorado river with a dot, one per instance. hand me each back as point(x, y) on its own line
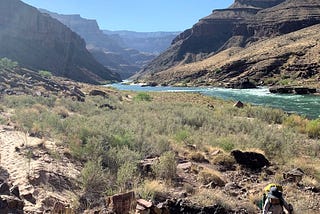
point(308, 105)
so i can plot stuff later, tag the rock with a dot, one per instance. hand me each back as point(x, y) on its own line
point(145, 166)
point(29, 197)
point(77, 91)
point(251, 160)
point(239, 104)
point(123, 203)
point(185, 166)
point(59, 207)
point(291, 90)
point(4, 189)
point(106, 105)
point(243, 84)
point(294, 175)
point(144, 203)
point(12, 204)
point(15, 191)
point(183, 206)
point(98, 93)
point(281, 90)
point(142, 210)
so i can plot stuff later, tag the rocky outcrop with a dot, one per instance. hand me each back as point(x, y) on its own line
point(224, 39)
point(251, 160)
point(109, 51)
point(211, 34)
point(292, 90)
point(40, 42)
point(21, 81)
point(10, 201)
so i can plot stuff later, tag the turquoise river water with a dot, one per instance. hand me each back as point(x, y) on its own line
point(308, 105)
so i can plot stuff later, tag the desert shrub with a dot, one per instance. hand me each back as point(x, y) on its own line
point(313, 128)
point(207, 197)
point(23, 101)
point(122, 139)
point(166, 167)
point(207, 176)
point(126, 175)
point(225, 143)
point(224, 160)
point(45, 74)
point(151, 190)
point(142, 96)
point(296, 122)
point(94, 178)
point(61, 111)
point(197, 157)
point(269, 115)
point(6, 63)
point(116, 157)
point(181, 135)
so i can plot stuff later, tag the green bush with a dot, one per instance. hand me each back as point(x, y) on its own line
point(166, 167)
point(142, 96)
point(45, 74)
point(181, 135)
point(126, 176)
point(6, 63)
point(94, 178)
point(313, 128)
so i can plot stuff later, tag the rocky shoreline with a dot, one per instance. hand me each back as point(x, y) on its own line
point(294, 90)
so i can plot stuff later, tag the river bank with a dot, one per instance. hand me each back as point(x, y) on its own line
point(303, 104)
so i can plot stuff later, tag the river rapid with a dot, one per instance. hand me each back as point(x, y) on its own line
point(307, 105)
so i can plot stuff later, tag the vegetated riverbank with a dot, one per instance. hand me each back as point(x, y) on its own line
point(108, 134)
point(306, 105)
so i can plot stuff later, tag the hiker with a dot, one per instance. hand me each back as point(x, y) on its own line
point(275, 202)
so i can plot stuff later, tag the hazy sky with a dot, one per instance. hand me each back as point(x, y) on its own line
point(136, 15)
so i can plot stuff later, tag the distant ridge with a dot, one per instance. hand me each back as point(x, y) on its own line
point(243, 24)
point(114, 52)
point(39, 42)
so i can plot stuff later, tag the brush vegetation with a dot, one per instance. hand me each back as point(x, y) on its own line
point(110, 143)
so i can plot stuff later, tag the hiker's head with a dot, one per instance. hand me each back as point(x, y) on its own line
point(274, 193)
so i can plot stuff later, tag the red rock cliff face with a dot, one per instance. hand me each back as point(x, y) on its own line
point(244, 22)
point(39, 42)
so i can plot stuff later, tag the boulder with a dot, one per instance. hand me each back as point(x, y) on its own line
point(185, 166)
point(145, 166)
point(294, 175)
point(123, 203)
point(4, 189)
point(11, 204)
point(183, 206)
point(15, 191)
point(98, 93)
point(251, 160)
point(239, 104)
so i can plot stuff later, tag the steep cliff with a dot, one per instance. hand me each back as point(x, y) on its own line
point(109, 51)
point(243, 24)
point(38, 41)
point(209, 35)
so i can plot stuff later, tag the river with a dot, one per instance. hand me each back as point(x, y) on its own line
point(307, 105)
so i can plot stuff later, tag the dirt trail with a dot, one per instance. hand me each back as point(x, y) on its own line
point(39, 168)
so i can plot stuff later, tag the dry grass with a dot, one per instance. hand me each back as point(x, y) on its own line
point(152, 189)
point(210, 176)
point(208, 197)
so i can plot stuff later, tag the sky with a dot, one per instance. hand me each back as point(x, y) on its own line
point(136, 15)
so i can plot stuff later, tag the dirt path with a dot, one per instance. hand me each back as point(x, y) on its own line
point(38, 168)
